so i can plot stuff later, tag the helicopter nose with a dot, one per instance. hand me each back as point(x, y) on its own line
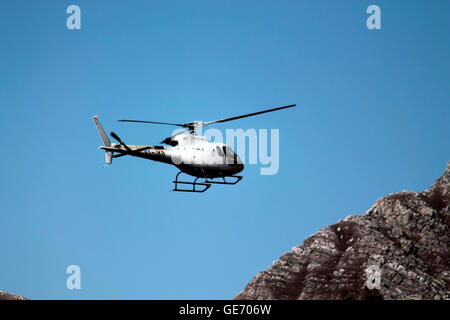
point(238, 164)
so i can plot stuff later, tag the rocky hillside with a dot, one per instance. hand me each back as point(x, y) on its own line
point(8, 296)
point(398, 249)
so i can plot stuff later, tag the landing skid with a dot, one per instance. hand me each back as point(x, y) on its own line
point(205, 185)
point(238, 178)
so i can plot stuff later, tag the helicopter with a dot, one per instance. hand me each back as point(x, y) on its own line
point(190, 152)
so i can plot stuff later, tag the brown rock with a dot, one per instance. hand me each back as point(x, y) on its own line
point(405, 235)
point(8, 296)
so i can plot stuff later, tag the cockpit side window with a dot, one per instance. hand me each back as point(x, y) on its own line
point(229, 155)
point(219, 151)
point(228, 151)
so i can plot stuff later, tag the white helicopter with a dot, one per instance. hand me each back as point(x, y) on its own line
point(191, 153)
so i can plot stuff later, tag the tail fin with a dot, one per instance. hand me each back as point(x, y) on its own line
point(104, 137)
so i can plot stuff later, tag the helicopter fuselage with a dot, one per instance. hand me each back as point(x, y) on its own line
point(193, 155)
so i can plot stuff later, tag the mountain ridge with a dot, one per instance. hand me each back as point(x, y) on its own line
point(398, 249)
point(9, 296)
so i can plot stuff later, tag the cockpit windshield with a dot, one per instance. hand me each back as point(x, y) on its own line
point(219, 151)
point(228, 151)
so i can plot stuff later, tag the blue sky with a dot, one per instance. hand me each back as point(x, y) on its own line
point(372, 118)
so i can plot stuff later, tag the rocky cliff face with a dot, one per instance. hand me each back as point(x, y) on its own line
point(398, 249)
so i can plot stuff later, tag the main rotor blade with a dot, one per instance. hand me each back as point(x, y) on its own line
point(154, 122)
point(247, 115)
